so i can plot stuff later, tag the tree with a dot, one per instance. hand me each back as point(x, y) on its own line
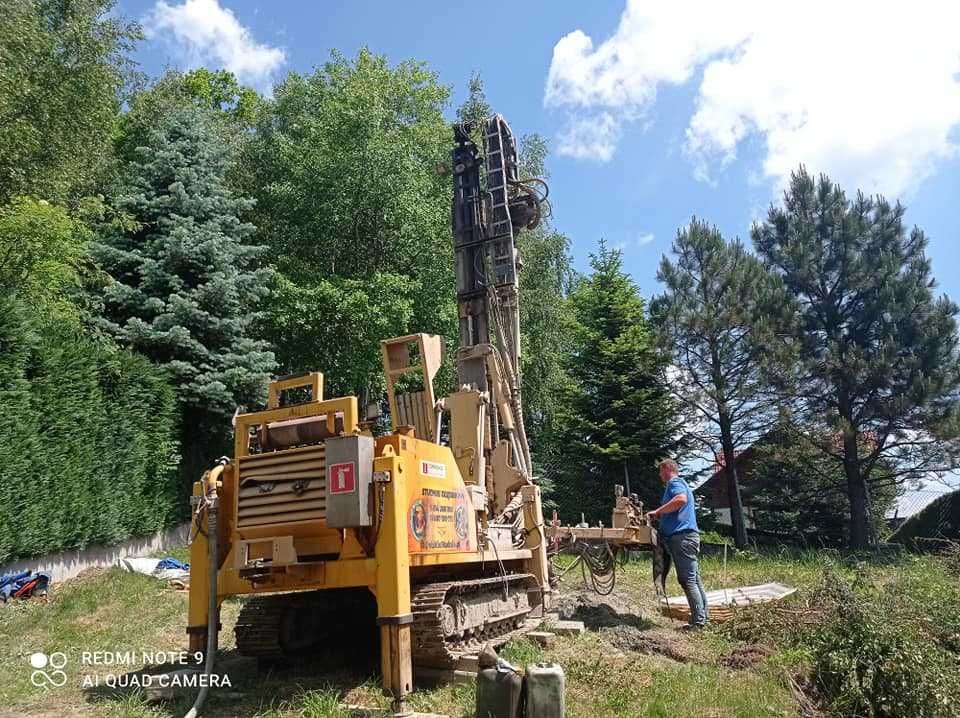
point(41, 248)
point(876, 360)
point(797, 491)
point(186, 281)
point(616, 412)
point(344, 168)
point(716, 315)
point(232, 107)
point(63, 70)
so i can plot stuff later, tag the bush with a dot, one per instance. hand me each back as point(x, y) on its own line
point(881, 649)
point(866, 664)
point(87, 439)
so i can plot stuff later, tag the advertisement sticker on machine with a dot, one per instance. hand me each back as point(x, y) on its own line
point(434, 469)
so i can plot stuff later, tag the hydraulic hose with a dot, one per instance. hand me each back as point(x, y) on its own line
point(213, 607)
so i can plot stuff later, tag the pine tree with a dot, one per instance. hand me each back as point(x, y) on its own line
point(715, 314)
point(186, 281)
point(617, 413)
point(876, 362)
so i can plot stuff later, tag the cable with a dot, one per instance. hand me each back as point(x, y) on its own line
point(600, 561)
point(503, 571)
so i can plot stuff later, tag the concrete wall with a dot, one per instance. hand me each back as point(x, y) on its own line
point(68, 564)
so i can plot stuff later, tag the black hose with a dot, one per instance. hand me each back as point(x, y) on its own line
point(213, 607)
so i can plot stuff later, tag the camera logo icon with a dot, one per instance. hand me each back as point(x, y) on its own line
point(54, 674)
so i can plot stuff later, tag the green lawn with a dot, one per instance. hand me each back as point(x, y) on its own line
point(667, 673)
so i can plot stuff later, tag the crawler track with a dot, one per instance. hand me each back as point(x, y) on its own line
point(450, 619)
point(454, 618)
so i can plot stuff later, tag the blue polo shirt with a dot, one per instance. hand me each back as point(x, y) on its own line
point(683, 520)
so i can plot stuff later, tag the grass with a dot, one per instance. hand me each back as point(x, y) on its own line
point(118, 612)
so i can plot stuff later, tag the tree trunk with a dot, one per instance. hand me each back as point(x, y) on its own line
point(733, 484)
point(857, 494)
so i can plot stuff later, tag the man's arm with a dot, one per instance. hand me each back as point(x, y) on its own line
point(674, 504)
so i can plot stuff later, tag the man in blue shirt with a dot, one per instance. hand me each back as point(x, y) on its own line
point(678, 527)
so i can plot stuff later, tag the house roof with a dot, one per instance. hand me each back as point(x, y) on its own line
point(913, 502)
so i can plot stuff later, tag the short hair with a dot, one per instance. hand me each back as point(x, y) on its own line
point(667, 461)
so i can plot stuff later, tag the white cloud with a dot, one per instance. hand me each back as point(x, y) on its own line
point(591, 137)
point(867, 92)
point(641, 240)
point(207, 33)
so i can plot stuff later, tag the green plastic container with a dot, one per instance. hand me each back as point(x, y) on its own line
point(499, 691)
point(544, 691)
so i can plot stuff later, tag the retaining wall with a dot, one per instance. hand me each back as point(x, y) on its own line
point(67, 564)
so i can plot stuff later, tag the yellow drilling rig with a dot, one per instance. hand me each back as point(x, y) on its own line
point(433, 532)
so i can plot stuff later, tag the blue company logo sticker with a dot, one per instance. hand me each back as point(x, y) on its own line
point(48, 670)
point(418, 520)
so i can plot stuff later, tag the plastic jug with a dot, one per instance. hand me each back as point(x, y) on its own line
point(499, 691)
point(545, 686)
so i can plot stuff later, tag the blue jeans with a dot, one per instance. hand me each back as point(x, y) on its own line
point(684, 548)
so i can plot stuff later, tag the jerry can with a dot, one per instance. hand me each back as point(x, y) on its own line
point(499, 691)
point(544, 689)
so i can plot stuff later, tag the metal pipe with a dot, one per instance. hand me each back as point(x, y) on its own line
point(213, 607)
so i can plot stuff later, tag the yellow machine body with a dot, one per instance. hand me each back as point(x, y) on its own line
point(425, 519)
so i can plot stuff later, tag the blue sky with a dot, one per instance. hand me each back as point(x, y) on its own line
point(654, 111)
point(624, 96)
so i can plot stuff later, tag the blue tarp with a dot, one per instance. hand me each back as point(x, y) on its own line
point(12, 583)
point(169, 562)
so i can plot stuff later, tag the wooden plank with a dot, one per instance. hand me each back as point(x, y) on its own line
point(544, 638)
point(567, 628)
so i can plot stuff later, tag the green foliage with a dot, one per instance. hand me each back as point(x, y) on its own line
point(41, 246)
point(344, 168)
point(377, 308)
point(715, 314)
point(878, 646)
point(875, 358)
point(868, 660)
point(186, 281)
point(615, 411)
point(62, 68)
point(938, 521)
point(798, 491)
point(88, 435)
point(232, 107)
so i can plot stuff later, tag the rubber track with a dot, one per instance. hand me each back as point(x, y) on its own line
point(258, 626)
point(431, 648)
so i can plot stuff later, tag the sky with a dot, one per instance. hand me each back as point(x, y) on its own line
point(654, 111)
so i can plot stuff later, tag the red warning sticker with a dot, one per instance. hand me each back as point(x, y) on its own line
point(342, 478)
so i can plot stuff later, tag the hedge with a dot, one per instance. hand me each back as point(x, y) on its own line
point(938, 520)
point(88, 449)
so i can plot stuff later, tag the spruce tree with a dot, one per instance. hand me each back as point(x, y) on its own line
point(186, 281)
point(715, 314)
point(616, 413)
point(876, 362)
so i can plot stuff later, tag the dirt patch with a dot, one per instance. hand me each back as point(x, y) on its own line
point(598, 612)
point(630, 638)
point(748, 656)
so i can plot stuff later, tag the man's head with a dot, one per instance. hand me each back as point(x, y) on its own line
point(668, 469)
